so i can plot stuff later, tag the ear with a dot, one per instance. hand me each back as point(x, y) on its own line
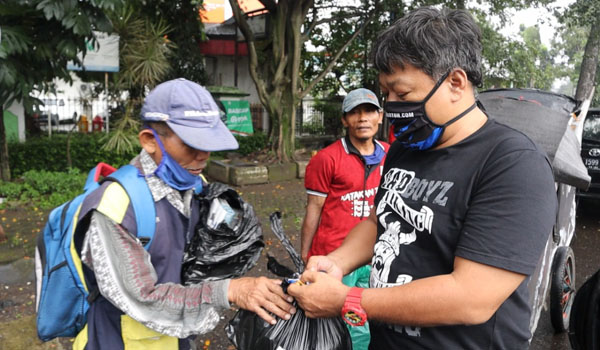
point(459, 84)
point(147, 141)
point(344, 122)
point(380, 117)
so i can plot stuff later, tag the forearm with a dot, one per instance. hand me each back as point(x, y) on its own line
point(309, 228)
point(425, 302)
point(357, 248)
point(126, 277)
point(471, 294)
point(310, 225)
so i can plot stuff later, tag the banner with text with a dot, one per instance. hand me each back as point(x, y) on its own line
point(239, 119)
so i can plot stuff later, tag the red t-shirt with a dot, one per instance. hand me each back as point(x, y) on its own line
point(339, 175)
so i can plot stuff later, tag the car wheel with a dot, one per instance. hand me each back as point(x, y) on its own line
point(562, 289)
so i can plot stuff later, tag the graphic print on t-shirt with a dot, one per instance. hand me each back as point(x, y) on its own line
point(359, 202)
point(403, 226)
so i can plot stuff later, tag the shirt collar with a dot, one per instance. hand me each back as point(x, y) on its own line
point(159, 188)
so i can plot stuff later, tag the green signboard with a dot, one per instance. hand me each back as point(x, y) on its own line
point(11, 126)
point(239, 119)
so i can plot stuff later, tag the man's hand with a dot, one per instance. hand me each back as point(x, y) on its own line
point(321, 295)
point(325, 264)
point(262, 296)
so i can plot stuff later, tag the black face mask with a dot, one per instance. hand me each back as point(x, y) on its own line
point(412, 127)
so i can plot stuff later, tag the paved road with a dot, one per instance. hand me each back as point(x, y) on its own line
point(586, 246)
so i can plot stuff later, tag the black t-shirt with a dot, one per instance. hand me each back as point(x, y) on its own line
point(490, 198)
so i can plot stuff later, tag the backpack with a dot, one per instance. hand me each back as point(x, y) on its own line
point(584, 325)
point(62, 297)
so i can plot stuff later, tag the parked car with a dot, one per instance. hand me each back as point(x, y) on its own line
point(42, 119)
point(590, 153)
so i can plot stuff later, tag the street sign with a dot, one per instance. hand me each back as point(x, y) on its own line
point(102, 58)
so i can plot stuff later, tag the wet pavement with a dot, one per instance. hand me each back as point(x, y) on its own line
point(267, 198)
point(586, 246)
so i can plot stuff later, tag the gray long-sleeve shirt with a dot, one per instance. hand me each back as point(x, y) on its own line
point(126, 277)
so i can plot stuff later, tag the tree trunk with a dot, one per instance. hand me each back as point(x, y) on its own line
point(277, 76)
point(589, 64)
point(4, 165)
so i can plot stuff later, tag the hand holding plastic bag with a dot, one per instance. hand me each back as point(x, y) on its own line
point(247, 331)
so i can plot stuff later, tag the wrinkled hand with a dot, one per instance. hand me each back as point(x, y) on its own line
point(262, 296)
point(321, 296)
point(324, 264)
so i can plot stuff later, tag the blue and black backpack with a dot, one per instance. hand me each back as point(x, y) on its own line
point(62, 296)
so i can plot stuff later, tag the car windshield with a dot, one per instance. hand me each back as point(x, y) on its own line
point(591, 127)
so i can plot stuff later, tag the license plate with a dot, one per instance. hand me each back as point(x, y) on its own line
point(592, 163)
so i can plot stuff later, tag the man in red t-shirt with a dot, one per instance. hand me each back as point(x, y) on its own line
point(341, 182)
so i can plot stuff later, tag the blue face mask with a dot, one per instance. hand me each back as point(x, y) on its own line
point(376, 157)
point(412, 126)
point(174, 174)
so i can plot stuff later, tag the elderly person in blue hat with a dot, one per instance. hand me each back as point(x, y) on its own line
point(142, 303)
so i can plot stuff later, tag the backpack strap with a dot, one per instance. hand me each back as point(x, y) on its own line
point(141, 199)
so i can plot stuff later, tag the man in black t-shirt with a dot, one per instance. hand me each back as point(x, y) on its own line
point(463, 211)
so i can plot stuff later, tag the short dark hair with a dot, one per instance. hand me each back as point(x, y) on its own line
point(161, 128)
point(435, 41)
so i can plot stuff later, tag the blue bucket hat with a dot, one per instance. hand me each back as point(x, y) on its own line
point(359, 97)
point(191, 112)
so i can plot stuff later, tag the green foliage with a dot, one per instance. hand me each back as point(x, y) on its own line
point(50, 153)
point(314, 127)
point(44, 189)
point(186, 33)
point(252, 143)
point(332, 114)
point(581, 24)
point(39, 37)
point(48, 189)
point(526, 63)
point(144, 55)
point(144, 49)
point(10, 189)
point(248, 144)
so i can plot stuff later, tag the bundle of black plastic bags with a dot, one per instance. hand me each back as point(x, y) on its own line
point(247, 331)
point(228, 239)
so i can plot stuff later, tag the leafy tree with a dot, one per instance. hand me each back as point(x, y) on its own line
point(586, 14)
point(569, 46)
point(144, 59)
point(186, 33)
point(524, 63)
point(159, 40)
point(39, 37)
point(274, 64)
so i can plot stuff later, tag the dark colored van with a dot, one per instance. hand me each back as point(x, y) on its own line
point(590, 152)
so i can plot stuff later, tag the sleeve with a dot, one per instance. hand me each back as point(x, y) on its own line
point(319, 174)
point(511, 213)
point(127, 279)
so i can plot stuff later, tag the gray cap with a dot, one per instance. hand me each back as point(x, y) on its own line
point(358, 97)
point(192, 114)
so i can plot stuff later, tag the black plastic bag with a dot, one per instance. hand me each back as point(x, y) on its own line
point(228, 239)
point(247, 331)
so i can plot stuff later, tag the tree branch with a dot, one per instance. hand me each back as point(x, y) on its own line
point(241, 22)
point(336, 56)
